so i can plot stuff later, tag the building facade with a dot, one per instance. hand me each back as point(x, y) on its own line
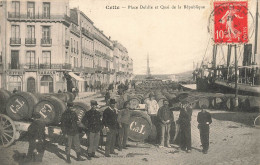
point(41, 41)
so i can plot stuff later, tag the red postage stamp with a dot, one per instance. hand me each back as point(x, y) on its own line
point(230, 22)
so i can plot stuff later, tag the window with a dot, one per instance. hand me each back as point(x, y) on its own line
point(46, 10)
point(30, 10)
point(14, 59)
point(46, 57)
point(15, 82)
point(16, 8)
point(30, 31)
point(77, 48)
point(71, 43)
point(30, 59)
point(46, 32)
point(74, 61)
point(15, 31)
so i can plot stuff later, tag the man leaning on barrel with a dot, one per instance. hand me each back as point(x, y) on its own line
point(152, 109)
point(111, 125)
point(70, 130)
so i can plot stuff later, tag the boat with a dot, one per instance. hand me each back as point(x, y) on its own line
point(223, 75)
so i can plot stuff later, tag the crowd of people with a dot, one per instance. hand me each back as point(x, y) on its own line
point(115, 123)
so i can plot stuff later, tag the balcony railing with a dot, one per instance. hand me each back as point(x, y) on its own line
point(75, 30)
point(15, 41)
point(46, 41)
point(30, 41)
point(38, 17)
point(87, 33)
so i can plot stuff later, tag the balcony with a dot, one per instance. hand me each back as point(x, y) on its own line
point(15, 41)
point(46, 42)
point(75, 30)
point(30, 66)
point(89, 70)
point(13, 16)
point(67, 43)
point(30, 41)
point(87, 33)
point(15, 66)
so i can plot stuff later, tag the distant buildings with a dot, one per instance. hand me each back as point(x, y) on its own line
point(41, 40)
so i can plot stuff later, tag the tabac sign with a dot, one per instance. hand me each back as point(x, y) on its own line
point(46, 72)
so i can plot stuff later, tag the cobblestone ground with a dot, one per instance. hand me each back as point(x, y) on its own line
point(233, 141)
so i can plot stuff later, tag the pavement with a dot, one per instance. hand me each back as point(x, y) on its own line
point(233, 141)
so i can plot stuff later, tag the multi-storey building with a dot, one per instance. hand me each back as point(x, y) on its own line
point(103, 48)
point(43, 40)
point(34, 45)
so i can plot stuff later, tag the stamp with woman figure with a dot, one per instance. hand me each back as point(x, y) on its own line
point(230, 22)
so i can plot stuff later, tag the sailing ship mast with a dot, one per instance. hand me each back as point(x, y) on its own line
point(256, 31)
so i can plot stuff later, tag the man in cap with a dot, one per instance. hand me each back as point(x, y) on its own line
point(70, 129)
point(124, 121)
point(111, 125)
point(92, 121)
point(185, 126)
point(152, 110)
point(204, 120)
point(165, 117)
point(36, 135)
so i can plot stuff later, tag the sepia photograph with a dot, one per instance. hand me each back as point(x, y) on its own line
point(129, 82)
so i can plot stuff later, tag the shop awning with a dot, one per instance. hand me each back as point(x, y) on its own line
point(76, 77)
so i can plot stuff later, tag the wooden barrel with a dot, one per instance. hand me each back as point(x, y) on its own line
point(217, 102)
point(70, 96)
point(80, 108)
point(203, 101)
point(20, 105)
point(50, 108)
point(4, 96)
point(254, 103)
point(152, 135)
point(140, 126)
point(135, 101)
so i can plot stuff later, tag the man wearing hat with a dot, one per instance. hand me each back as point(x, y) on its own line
point(92, 121)
point(69, 128)
point(36, 135)
point(204, 120)
point(185, 126)
point(111, 124)
point(152, 108)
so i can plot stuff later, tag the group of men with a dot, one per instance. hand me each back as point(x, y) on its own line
point(116, 125)
point(163, 118)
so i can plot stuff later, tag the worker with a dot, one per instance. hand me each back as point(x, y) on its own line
point(204, 120)
point(185, 126)
point(70, 130)
point(36, 135)
point(110, 122)
point(165, 117)
point(92, 121)
point(124, 121)
point(152, 109)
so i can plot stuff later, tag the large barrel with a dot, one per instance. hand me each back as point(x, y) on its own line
point(160, 98)
point(4, 96)
point(20, 105)
point(254, 103)
point(217, 102)
point(135, 101)
point(80, 108)
point(140, 126)
point(203, 102)
point(50, 108)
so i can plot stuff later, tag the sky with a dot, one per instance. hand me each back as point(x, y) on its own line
point(173, 38)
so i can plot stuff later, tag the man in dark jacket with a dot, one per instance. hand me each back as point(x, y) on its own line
point(111, 125)
point(165, 117)
point(204, 120)
point(185, 126)
point(92, 121)
point(36, 135)
point(69, 128)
